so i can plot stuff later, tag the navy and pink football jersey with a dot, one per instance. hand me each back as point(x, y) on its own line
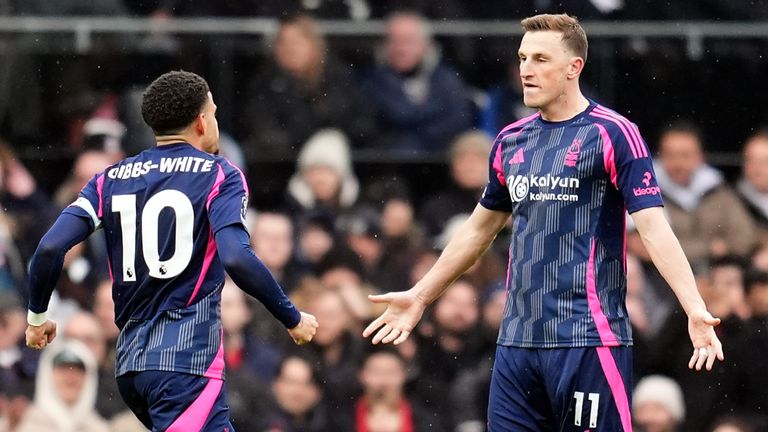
point(568, 186)
point(159, 211)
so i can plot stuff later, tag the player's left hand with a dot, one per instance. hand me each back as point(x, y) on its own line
point(706, 345)
point(38, 337)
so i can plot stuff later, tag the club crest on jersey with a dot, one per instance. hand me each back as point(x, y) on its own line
point(572, 155)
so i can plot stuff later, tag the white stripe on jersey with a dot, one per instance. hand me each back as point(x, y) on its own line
point(86, 205)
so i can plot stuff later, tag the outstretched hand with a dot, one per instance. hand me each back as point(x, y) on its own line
point(404, 310)
point(706, 346)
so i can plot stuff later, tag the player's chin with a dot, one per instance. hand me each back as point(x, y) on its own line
point(532, 102)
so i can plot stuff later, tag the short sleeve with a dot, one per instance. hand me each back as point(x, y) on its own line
point(228, 200)
point(89, 202)
point(631, 170)
point(496, 196)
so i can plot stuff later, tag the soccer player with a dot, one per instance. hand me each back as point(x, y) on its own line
point(566, 174)
point(174, 220)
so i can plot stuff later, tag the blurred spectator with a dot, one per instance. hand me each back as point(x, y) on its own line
point(324, 182)
point(422, 103)
point(732, 424)
point(657, 405)
point(243, 351)
point(386, 243)
point(505, 102)
point(469, 391)
point(317, 237)
point(338, 350)
point(670, 350)
point(432, 9)
point(753, 185)
point(65, 392)
point(17, 362)
point(760, 257)
point(468, 159)
point(84, 327)
point(306, 89)
point(748, 395)
point(727, 279)
point(706, 215)
point(298, 396)
point(251, 362)
point(86, 165)
point(450, 346)
point(272, 238)
point(79, 277)
point(384, 406)
point(26, 213)
point(104, 311)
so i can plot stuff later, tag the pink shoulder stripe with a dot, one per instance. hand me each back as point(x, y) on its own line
point(100, 192)
point(608, 157)
point(520, 122)
point(498, 166)
point(630, 127)
point(627, 135)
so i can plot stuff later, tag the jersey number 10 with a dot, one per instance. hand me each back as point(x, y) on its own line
point(150, 219)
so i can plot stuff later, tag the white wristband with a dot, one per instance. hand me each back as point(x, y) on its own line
point(36, 319)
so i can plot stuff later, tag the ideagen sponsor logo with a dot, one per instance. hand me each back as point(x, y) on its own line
point(520, 186)
point(648, 189)
point(653, 190)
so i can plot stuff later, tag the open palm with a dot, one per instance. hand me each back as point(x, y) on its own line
point(404, 310)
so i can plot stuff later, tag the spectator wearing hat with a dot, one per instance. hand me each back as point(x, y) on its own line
point(65, 392)
point(657, 404)
point(324, 182)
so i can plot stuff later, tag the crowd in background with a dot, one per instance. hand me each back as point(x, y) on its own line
point(338, 234)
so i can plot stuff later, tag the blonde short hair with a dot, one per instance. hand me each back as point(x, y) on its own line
point(574, 36)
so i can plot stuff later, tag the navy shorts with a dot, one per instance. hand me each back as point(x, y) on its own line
point(562, 389)
point(176, 402)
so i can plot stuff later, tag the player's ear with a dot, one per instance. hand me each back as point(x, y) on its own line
point(575, 67)
point(200, 126)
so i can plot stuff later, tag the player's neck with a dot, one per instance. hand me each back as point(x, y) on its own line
point(565, 107)
point(174, 139)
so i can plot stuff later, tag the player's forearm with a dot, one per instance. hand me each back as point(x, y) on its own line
point(252, 276)
point(464, 249)
point(668, 257)
point(45, 265)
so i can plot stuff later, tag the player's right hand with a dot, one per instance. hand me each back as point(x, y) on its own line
point(404, 310)
point(305, 331)
point(38, 337)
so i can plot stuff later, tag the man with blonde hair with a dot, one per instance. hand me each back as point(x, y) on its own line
point(567, 174)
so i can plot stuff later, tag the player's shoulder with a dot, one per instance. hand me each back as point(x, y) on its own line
point(611, 119)
point(517, 126)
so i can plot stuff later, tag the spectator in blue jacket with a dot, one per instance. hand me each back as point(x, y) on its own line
point(422, 103)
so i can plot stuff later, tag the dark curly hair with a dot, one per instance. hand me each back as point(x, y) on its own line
point(173, 101)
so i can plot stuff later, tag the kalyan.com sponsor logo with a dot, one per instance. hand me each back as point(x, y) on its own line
point(520, 188)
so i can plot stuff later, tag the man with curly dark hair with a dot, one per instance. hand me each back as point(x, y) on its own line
point(174, 220)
